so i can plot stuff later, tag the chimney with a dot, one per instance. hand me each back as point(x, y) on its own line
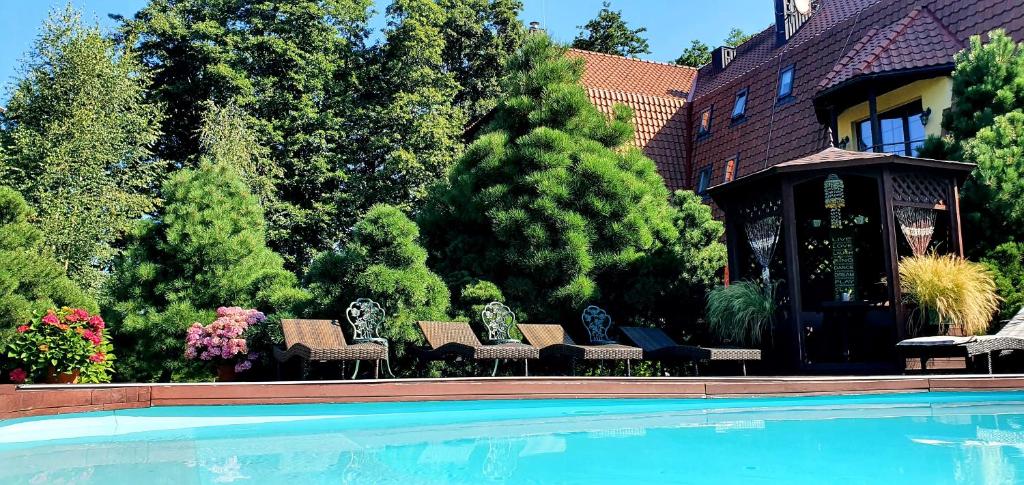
point(722, 56)
point(535, 27)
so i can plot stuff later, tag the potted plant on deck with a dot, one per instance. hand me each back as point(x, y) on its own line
point(947, 293)
point(742, 313)
point(63, 347)
point(223, 342)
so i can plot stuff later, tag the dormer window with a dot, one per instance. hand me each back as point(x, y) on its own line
point(786, 82)
point(739, 107)
point(704, 128)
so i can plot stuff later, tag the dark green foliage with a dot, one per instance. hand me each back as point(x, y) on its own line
point(550, 204)
point(696, 55)
point(480, 36)
point(383, 262)
point(988, 81)
point(474, 296)
point(1007, 264)
point(993, 198)
point(699, 53)
point(74, 141)
point(609, 33)
point(31, 279)
point(207, 250)
point(293, 68)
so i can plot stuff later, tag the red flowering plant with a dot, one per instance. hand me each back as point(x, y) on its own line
point(224, 340)
point(68, 342)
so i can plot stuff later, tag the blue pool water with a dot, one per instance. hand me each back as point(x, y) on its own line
point(931, 439)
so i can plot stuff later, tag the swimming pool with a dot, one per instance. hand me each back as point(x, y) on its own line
point(928, 438)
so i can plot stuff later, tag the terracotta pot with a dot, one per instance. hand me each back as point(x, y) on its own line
point(226, 373)
point(52, 377)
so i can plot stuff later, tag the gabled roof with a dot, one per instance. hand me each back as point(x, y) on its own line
point(660, 129)
point(657, 94)
point(617, 73)
point(918, 40)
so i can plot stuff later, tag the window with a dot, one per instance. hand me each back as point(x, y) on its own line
point(901, 129)
point(703, 180)
point(705, 123)
point(739, 108)
point(786, 82)
point(730, 169)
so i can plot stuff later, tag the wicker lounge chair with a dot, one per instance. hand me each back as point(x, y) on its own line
point(322, 341)
point(1010, 337)
point(458, 339)
point(658, 345)
point(554, 342)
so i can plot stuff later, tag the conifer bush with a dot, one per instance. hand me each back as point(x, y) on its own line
point(551, 203)
point(207, 249)
point(386, 263)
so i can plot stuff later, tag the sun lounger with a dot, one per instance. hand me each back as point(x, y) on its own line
point(1010, 337)
point(323, 341)
point(553, 341)
point(657, 345)
point(458, 339)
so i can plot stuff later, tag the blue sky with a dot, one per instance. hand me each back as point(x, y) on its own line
point(671, 24)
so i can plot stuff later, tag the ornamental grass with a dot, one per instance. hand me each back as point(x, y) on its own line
point(949, 290)
point(742, 312)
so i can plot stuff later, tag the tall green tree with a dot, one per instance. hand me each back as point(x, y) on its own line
point(480, 36)
point(206, 249)
point(994, 195)
point(988, 81)
point(384, 262)
point(609, 33)
point(409, 134)
point(551, 203)
point(293, 68)
point(75, 139)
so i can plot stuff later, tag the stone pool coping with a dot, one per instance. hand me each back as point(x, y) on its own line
point(38, 400)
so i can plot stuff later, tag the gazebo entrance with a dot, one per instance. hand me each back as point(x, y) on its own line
point(829, 229)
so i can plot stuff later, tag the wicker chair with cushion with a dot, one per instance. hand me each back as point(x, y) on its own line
point(658, 345)
point(553, 341)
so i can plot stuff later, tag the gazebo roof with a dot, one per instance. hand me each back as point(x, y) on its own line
point(836, 159)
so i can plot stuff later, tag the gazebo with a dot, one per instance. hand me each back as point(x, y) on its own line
point(830, 228)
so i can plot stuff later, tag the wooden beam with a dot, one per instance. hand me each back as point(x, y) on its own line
point(955, 230)
point(890, 248)
point(922, 205)
point(792, 246)
point(876, 124)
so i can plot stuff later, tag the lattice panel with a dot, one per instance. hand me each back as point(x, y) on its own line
point(920, 189)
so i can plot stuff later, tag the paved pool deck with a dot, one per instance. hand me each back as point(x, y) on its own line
point(37, 400)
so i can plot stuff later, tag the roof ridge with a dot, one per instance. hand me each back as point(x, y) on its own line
point(945, 29)
point(674, 99)
point(901, 27)
point(657, 63)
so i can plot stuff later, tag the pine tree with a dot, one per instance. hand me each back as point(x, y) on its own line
point(205, 250)
point(993, 198)
point(31, 279)
point(697, 55)
point(551, 199)
point(988, 81)
point(76, 134)
point(294, 68)
point(610, 34)
point(383, 262)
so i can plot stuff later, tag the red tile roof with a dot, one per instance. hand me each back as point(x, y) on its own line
point(660, 129)
point(616, 73)
point(917, 40)
point(657, 94)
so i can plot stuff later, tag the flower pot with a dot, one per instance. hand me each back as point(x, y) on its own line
point(53, 377)
point(226, 373)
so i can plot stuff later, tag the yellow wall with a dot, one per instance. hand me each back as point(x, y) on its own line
point(935, 93)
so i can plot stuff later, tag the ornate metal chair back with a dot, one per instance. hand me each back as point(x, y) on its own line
point(597, 322)
point(499, 320)
point(367, 319)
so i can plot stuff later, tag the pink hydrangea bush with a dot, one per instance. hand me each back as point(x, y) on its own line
point(224, 339)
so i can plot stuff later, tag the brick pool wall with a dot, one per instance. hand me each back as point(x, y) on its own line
point(36, 400)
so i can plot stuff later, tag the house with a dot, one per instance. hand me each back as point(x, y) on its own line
point(803, 140)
